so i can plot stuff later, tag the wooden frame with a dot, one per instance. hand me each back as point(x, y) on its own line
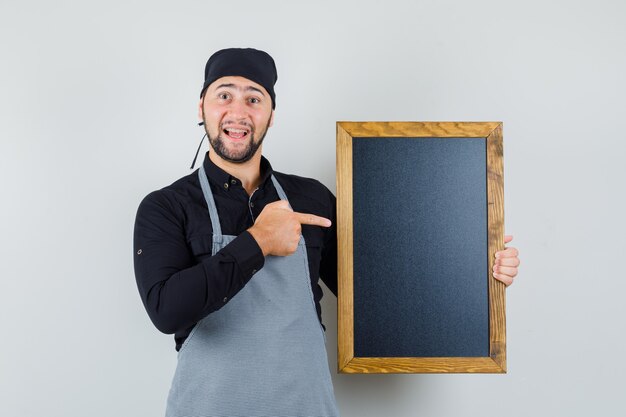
point(347, 362)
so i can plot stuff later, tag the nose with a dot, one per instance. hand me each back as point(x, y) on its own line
point(237, 109)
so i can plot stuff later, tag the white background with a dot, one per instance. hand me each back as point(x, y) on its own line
point(98, 108)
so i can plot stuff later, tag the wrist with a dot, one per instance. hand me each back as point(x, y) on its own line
point(259, 237)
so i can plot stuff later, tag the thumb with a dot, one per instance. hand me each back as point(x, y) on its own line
point(508, 238)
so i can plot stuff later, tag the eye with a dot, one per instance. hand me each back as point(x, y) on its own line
point(223, 96)
point(254, 100)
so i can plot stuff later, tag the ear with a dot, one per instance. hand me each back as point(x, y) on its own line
point(200, 109)
point(271, 119)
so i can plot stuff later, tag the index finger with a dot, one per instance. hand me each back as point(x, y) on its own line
point(510, 252)
point(312, 219)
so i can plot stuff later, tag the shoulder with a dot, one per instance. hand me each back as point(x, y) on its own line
point(306, 194)
point(173, 198)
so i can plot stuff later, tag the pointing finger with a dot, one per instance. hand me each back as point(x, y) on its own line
point(312, 219)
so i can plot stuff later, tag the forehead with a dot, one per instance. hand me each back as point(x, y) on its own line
point(238, 83)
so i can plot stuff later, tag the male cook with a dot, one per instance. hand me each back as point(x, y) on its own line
point(228, 259)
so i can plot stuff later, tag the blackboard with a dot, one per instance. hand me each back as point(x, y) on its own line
point(419, 215)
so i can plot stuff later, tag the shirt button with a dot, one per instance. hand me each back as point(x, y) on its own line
point(226, 185)
point(225, 299)
point(233, 182)
point(251, 204)
point(139, 252)
point(253, 271)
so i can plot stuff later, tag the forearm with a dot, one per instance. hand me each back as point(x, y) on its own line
point(177, 301)
point(176, 287)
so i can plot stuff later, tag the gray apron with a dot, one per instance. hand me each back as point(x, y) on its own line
point(263, 353)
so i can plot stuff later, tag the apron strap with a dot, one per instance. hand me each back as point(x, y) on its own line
point(283, 196)
point(210, 201)
point(281, 192)
point(208, 196)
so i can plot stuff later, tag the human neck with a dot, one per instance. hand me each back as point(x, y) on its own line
point(248, 172)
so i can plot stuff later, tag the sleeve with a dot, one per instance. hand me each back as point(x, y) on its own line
point(176, 290)
point(328, 263)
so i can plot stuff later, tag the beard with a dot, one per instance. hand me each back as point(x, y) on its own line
point(238, 156)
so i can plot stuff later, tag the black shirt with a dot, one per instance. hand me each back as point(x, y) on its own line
point(180, 282)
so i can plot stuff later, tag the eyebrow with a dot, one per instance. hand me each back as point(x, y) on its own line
point(248, 88)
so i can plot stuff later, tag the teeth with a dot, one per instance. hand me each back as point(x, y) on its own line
point(236, 130)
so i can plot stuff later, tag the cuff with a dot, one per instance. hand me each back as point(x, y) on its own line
point(248, 255)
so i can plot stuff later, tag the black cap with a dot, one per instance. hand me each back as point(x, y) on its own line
point(255, 65)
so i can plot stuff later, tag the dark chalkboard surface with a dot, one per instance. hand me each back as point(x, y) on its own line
point(420, 217)
point(420, 232)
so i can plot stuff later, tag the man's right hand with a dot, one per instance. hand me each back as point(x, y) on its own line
point(277, 229)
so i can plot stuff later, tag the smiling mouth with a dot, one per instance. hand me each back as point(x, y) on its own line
point(236, 134)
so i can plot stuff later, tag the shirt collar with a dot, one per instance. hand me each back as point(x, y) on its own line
point(220, 177)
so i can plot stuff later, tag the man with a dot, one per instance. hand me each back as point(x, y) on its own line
point(228, 259)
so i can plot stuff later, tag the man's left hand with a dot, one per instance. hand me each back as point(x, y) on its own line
point(506, 263)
